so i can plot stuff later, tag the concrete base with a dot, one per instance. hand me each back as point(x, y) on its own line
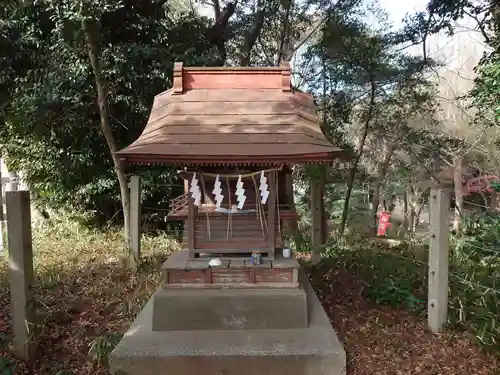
point(315, 350)
point(211, 309)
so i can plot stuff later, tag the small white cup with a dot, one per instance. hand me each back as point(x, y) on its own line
point(287, 253)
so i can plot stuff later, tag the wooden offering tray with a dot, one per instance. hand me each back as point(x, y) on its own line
point(181, 272)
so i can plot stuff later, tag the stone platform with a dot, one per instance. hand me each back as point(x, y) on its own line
point(216, 309)
point(314, 350)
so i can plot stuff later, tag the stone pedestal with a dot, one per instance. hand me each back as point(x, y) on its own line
point(311, 350)
point(234, 295)
point(229, 309)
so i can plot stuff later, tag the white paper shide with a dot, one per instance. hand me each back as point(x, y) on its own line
point(240, 193)
point(264, 192)
point(195, 190)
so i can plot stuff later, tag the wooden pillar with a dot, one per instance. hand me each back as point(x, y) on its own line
point(191, 222)
point(289, 188)
point(271, 215)
point(135, 220)
point(21, 272)
point(294, 227)
point(439, 206)
point(318, 235)
point(2, 213)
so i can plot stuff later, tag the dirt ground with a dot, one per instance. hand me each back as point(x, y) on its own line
point(378, 339)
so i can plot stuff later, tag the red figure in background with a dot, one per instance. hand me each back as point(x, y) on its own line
point(383, 223)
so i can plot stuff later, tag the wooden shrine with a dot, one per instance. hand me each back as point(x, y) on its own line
point(234, 134)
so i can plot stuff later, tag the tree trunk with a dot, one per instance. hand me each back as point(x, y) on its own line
point(414, 206)
point(216, 34)
point(420, 206)
point(252, 36)
point(354, 166)
point(285, 48)
point(406, 219)
point(92, 34)
point(459, 194)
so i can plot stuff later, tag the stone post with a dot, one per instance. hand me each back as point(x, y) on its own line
point(439, 206)
point(21, 272)
point(2, 213)
point(9, 180)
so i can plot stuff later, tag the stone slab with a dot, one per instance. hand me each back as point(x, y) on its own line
point(197, 265)
point(176, 261)
point(237, 263)
point(217, 309)
point(281, 262)
point(179, 260)
point(315, 350)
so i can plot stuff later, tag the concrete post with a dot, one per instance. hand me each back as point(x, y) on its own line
point(2, 213)
point(135, 220)
point(13, 184)
point(318, 235)
point(21, 272)
point(439, 207)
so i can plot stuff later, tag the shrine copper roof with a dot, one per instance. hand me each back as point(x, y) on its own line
point(231, 116)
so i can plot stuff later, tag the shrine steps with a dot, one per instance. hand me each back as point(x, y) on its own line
point(314, 350)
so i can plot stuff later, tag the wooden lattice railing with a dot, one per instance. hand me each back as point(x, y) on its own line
point(178, 203)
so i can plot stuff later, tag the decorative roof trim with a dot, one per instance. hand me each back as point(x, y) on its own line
point(178, 86)
point(193, 78)
point(324, 157)
point(286, 77)
point(228, 163)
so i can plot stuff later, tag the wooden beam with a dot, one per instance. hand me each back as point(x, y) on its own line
point(426, 184)
point(439, 205)
point(271, 214)
point(191, 222)
point(135, 220)
point(318, 235)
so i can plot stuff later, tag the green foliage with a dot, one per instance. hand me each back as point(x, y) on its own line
point(396, 292)
point(486, 90)
point(7, 367)
point(442, 15)
point(50, 121)
point(397, 276)
point(391, 275)
point(101, 347)
point(476, 262)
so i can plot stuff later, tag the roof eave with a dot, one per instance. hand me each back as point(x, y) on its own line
point(324, 157)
